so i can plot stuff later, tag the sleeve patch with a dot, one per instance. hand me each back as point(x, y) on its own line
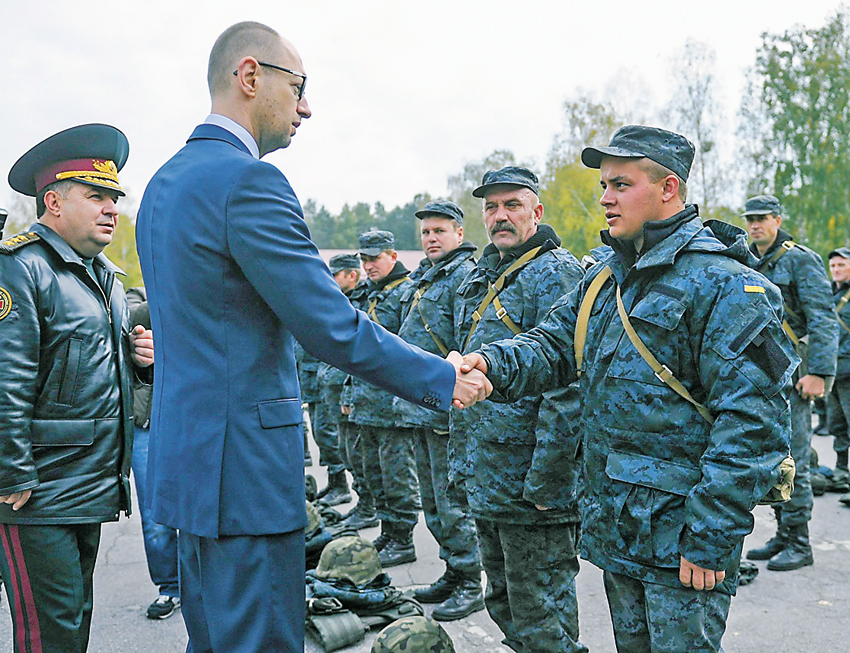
point(5, 303)
point(765, 352)
point(758, 289)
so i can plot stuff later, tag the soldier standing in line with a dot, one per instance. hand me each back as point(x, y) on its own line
point(668, 483)
point(308, 367)
point(346, 271)
point(428, 307)
point(388, 451)
point(525, 512)
point(838, 402)
point(811, 325)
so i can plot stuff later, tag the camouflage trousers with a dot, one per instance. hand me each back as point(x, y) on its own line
point(446, 509)
point(326, 434)
point(531, 592)
point(797, 511)
point(652, 618)
point(838, 412)
point(355, 462)
point(390, 472)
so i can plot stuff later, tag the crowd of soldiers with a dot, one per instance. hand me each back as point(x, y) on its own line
point(502, 482)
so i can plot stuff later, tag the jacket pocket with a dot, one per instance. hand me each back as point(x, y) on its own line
point(70, 373)
point(62, 432)
point(648, 497)
point(279, 412)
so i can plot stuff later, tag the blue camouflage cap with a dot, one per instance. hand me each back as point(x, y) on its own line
point(511, 175)
point(441, 209)
point(763, 205)
point(843, 252)
point(666, 148)
point(374, 241)
point(341, 262)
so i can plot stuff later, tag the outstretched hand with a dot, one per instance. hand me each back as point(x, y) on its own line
point(471, 385)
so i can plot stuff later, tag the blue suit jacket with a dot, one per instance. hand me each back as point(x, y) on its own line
point(232, 276)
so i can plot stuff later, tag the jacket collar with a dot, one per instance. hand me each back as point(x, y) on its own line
point(398, 272)
point(67, 253)
point(545, 238)
point(208, 131)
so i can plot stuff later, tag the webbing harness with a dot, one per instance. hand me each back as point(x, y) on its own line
point(370, 311)
point(492, 297)
point(781, 251)
point(841, 303)
point(416, 297)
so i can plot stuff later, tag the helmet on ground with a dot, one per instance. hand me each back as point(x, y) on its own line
point(413, 635)
point(350, 557)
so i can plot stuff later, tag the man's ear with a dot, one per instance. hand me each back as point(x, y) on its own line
point(670, 188)
point(52, 203)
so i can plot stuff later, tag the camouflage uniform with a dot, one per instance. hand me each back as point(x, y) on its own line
point(446, 509)
point(496, 450)
point(389, 459)
point(659, 481)
point(322, 422)
point(800, 275)
point(839, 399)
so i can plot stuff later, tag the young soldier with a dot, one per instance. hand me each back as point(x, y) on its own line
point(390, 462)
point(429, 309)
point(528, 553)
point(668, 486)
point(810, 323)
point(838, 402)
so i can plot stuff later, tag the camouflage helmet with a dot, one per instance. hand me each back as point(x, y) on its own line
point(350, 557)
point(314, 520)
point(412, 635)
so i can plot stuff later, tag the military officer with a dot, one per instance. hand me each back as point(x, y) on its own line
point(346, 271)
point(838, 402)
point(528, 553)
point(811, 325)
point(429, 323)
point(673, 461)
point(388, 451)
point(66, 405)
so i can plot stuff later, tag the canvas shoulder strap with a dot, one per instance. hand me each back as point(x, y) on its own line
point(841, 303)
point(417, 296)
point(370, 311)
point(580, 336)
point(781, 251)
point(493, 292)
point(661, 371)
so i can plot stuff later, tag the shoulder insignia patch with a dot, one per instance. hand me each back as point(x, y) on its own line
point(5, 303)
point(754, 289)
point(16, 242)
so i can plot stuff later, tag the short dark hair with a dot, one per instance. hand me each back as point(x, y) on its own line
point(237, 41)
point(61, 187)
point(657, 172)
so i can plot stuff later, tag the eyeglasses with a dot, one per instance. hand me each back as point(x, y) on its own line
point(286, 70)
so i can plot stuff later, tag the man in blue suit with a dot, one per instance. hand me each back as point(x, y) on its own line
point(233, 279)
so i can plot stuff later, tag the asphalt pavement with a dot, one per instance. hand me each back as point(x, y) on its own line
point(807, 610)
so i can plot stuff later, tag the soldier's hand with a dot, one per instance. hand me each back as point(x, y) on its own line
point(345, 410)
point(699, 578)
point(811, 386)
point(470, 386)
point(17, 499)
point(474, 362)
point(141, 344)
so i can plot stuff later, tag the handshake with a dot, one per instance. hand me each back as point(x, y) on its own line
point(471, 384)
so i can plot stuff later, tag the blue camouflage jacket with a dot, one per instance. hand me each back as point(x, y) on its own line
point(332, 379)
point(660, 481)
point(843, 369)
point(308, 370)
point(437, 285)
point(372, 406)
point(499, 447)
point(800, 274)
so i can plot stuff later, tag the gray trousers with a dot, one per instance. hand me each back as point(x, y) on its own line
point(652, 618)
point(390, 472)
point(797, 511)
point(531, 592)
point(446, 509)
point(838, 414)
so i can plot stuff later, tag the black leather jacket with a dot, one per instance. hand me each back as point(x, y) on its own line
point(65, 386)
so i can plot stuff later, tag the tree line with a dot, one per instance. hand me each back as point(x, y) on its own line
point(789, 139)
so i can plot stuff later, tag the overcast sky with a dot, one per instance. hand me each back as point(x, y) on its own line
point(403, 94)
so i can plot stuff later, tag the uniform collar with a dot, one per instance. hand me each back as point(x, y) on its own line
point(67, 253)
point(428, 271)
point(781, 237)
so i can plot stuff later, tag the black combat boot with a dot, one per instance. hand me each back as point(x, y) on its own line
point(466, 599)
point(359, 517)
point(399, 548)
point(440, 589)
point(336, 491)
point(797, 553)
point(384, 538)
point(773, 546)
